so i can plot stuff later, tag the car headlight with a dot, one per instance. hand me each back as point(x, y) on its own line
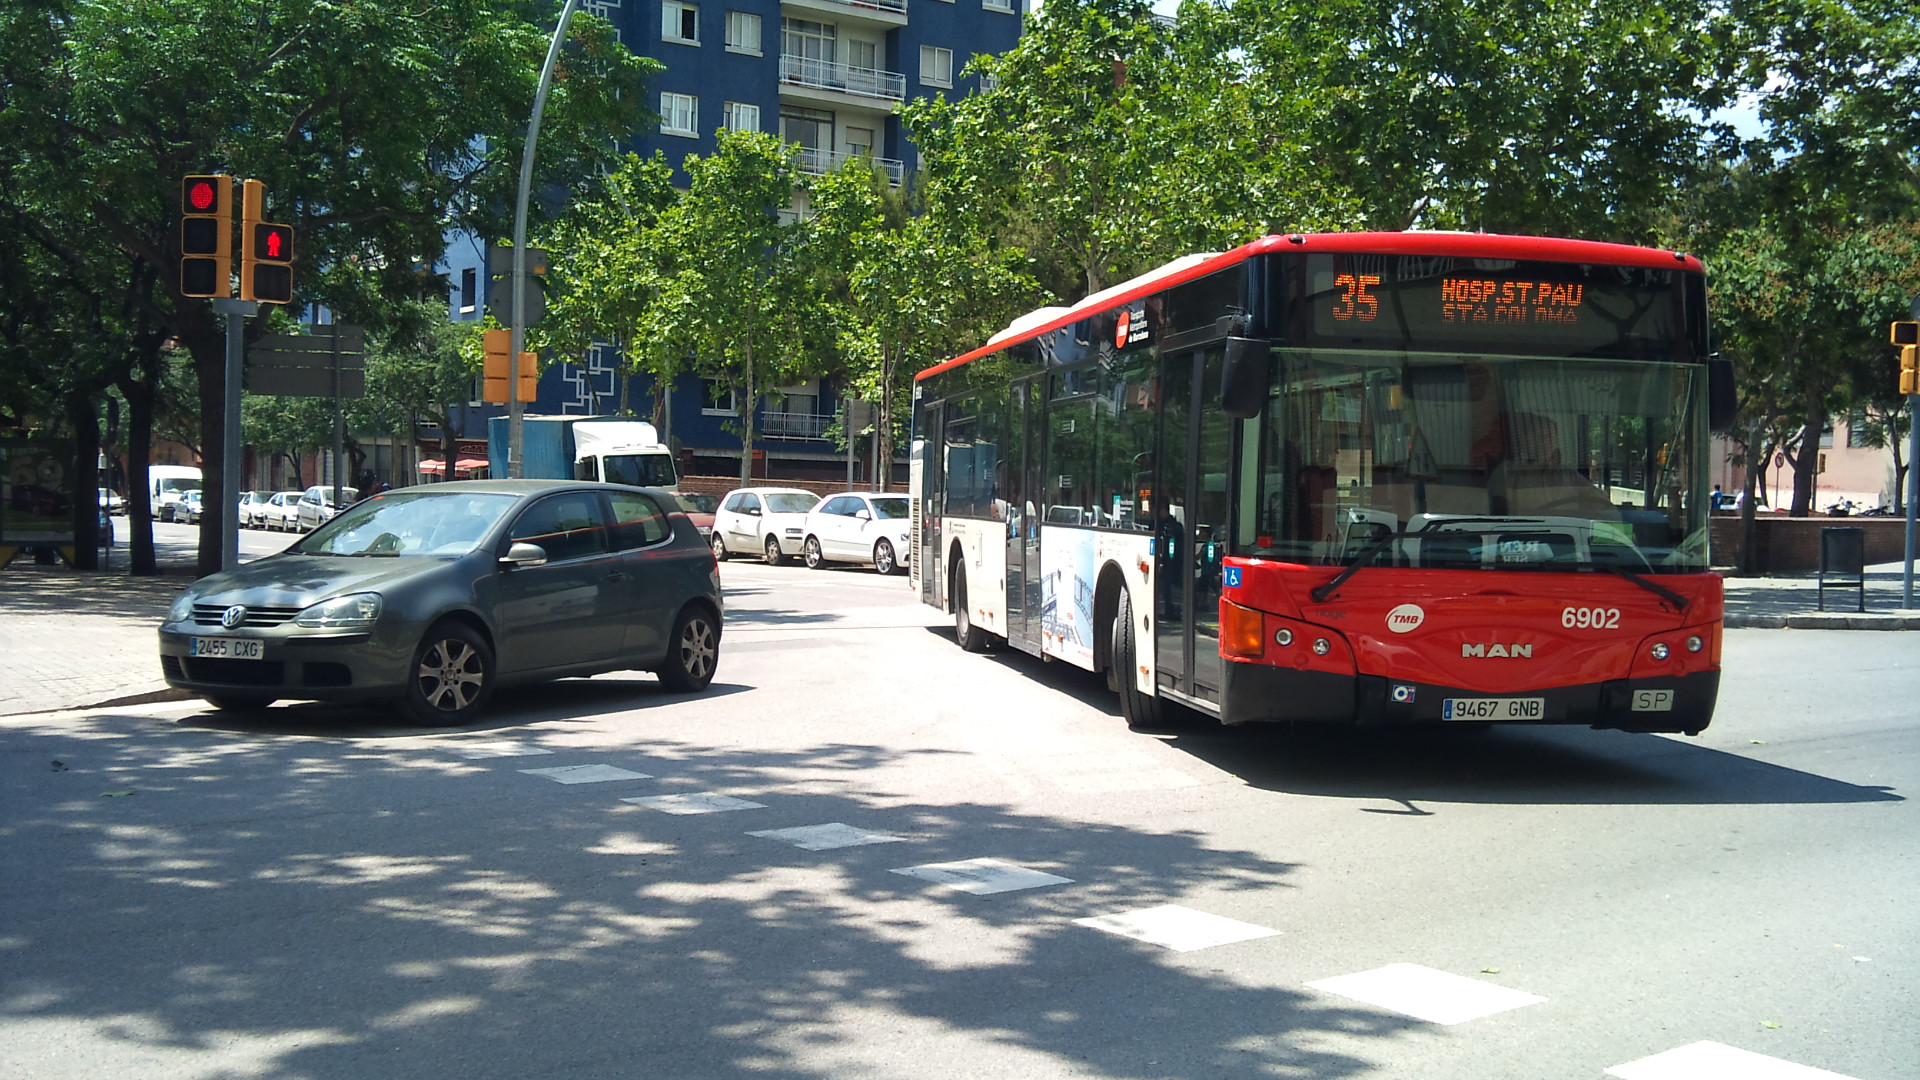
point(353, 612)
point(182, 608)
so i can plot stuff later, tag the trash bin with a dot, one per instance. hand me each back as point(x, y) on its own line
point(1843, 562)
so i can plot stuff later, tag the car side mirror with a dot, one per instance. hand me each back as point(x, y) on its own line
point(752, 511)
point(863, 514)
point(520, 553)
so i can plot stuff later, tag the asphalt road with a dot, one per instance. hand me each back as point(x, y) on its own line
point(317, 892)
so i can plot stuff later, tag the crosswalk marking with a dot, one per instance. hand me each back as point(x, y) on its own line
point(982, 876)
point(587, 774)
point(1423, 993)
point(1178, 928)
point(827, 837)
point(1717, 1061)
point(704, 802)
point(476, 751)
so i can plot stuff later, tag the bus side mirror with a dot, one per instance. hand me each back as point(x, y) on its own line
point(1243, 386)
point(1722, 402)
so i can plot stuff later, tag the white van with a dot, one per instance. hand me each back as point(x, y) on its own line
point(164, 485)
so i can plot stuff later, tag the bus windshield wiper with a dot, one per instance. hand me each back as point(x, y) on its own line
point(1321, 593)
point(1678, 601)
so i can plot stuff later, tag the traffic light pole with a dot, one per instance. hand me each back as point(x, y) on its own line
point(1913, 486)
point(228, 494)
point(516, 430)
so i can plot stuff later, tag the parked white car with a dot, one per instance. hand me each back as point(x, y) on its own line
point(316, 508)
point(861, 527)
point(280, 512)
point(247, 509)
point(112, 502)
point(766, 521)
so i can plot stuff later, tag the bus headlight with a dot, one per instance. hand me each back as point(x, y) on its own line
point(1696, 643)
point(1321, 646)
point(1283, 636)
point(1660, 650)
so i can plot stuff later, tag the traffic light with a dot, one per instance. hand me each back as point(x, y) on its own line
point(206, 236)
point(266, 253)
point(493, 388)
point(1905, 333)
point(1910, 369)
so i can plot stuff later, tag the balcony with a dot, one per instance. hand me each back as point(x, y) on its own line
point(871, 84)
point(821, 162)
point(887, 13)
point(793, 425)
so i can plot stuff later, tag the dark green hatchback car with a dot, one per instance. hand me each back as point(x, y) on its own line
point(432, 596)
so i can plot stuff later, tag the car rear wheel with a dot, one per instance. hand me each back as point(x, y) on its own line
point(693, 652)
point(239, 702)
point(774, 555)
point(816, 559)
point(719, 547)
point(452, 676)
point(883, 558)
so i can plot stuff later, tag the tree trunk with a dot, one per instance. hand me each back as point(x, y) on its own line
point(208, 348)
point(85, 479)
point(139, 393)
point(746, 426)
point(1806, 464)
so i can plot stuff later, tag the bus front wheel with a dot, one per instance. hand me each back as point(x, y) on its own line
point(1141, 711)
point(970, 637)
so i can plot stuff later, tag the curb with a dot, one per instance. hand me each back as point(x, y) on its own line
point(1826, 620)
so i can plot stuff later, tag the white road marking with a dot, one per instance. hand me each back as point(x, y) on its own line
point(476, 751)
point(587, 774)
point(1178, 928)
point(1716, 1061)
point(1423, 993)
point(704, 802)
point(828, 836)
point(983, 876)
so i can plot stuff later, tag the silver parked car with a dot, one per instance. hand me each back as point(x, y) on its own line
point(316, 507)
point(430, 597)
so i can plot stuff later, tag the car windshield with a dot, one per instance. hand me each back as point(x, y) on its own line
point(890, 508)
point(408, 523)
point(789, 502)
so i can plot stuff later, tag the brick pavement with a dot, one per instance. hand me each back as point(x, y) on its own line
point(70, 639)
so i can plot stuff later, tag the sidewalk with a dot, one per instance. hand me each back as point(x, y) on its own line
point(82, 640)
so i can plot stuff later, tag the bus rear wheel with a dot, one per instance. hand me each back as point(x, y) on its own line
point(970, 637)
point(1141, 711)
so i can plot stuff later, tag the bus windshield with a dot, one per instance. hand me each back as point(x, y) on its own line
point(1479, 462)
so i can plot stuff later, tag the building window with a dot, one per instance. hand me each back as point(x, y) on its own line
point(467, 281)
point(936, 65)
point(863, 54)
point(743, 32)
point(997, 5)
point(809, 40)
point(742, 116)
point(679, 22)
point(679, 114)
point(1857, 429)
point(859, 141)
point(719, 400)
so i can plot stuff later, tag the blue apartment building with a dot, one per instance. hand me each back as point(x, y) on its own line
point(823, 74)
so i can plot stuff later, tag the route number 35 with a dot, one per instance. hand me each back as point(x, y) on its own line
point(1355, 301)
point(1590, 618)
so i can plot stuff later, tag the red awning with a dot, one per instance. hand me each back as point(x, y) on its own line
point(465, 464)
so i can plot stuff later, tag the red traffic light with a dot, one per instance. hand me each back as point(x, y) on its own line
point(201, 194)
point(272, 243)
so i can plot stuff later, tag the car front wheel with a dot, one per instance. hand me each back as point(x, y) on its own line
point(693, 654)
point(452, 676)
point(719, 547)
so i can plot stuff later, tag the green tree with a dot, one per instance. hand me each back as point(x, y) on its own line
point(735, 288)
point(377, 126)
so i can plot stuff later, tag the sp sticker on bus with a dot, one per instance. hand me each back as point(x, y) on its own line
point(1232, 574)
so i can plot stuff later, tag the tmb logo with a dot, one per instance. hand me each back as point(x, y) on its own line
point(1406, 617)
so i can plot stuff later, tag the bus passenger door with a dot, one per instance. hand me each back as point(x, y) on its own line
point(1022, 521)
point(1191, 504)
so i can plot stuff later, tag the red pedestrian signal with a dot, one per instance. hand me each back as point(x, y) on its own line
point(206, 236)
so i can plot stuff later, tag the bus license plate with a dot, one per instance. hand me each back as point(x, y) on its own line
point(226, 648)
point(1493, 708)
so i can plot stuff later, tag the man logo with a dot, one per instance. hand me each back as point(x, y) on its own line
point(1406, 617)
point(1515, 651)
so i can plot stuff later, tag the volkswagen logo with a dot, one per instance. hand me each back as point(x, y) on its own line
point(233, 616)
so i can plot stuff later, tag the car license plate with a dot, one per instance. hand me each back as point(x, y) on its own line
point(226, 648)
point(1493, 708)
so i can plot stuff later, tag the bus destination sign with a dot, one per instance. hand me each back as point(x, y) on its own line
point(1494, 305)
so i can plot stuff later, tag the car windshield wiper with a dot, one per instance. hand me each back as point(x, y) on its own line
point(1322, 593)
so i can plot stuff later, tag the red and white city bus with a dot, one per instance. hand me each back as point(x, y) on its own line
point(1374, 478)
